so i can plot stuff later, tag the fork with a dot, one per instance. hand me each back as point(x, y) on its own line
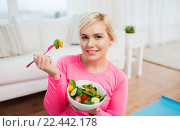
point(43, 54)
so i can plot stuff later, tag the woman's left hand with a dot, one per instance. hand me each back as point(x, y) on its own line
point(92, 112)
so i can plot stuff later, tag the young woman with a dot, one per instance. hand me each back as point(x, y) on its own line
point(96, 34)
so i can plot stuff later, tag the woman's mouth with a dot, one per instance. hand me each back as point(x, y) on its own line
point(92, 52)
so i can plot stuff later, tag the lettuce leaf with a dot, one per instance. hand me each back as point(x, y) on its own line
point(72, 82)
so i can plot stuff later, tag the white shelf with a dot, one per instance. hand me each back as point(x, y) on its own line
point(130, 59)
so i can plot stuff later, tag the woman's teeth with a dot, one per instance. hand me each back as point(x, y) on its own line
point(91, 51)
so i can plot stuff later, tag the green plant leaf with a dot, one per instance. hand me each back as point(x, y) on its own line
point(130, 29)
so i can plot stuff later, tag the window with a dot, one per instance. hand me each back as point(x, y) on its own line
point(42, 8)
point(3, 9)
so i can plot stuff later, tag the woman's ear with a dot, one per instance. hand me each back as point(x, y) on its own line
point(111, 41)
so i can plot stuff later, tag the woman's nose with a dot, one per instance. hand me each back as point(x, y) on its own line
point(91, 42)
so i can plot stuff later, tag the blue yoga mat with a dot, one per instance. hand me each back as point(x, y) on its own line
point(164, 107)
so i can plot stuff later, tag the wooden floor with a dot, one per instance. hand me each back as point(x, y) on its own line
point(144, 90)
point(155, 81)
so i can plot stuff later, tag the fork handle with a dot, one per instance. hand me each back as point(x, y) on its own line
point(29, 64)
point(33, 61)
point(43, 54)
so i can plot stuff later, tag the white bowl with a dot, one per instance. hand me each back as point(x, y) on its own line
point(85, 107)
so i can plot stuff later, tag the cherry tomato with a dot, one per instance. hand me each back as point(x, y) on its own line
point(78, 99)
point(70, 88)
point(91, 87)
point(60, 44)
point(84, 97)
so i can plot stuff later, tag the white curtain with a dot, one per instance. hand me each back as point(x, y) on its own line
point(12, 8)
point(115, 9)
point(157, 22)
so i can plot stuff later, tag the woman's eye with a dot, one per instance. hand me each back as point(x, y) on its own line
point(98, 37)
point(84, 37)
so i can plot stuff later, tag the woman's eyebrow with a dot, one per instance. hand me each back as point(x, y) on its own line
point(94, 34)
point(82, 34)
point(99, 34)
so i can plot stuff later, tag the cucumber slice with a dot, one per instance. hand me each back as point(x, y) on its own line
point(73, 92)
point(95, 100)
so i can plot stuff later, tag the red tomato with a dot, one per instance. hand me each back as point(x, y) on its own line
point(91, 87)
point(78, 99)
point(84, 97)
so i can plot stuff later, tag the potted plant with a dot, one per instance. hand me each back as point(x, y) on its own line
point(130, 34)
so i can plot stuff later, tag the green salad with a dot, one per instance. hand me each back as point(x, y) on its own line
point(87, 94)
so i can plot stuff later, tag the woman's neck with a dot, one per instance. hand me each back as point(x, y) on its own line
point(97, 66)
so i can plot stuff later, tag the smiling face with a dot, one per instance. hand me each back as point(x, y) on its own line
point(95, 41)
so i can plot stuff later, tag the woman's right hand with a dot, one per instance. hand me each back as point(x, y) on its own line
point(45, 64)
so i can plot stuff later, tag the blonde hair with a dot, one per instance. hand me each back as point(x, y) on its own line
point(93, 17)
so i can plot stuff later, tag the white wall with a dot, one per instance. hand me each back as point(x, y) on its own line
point(157, 22)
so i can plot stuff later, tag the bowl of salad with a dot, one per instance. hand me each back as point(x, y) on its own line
point(85, 95)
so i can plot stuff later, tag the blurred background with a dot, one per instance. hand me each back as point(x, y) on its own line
point(157, 30)
point(157, 22)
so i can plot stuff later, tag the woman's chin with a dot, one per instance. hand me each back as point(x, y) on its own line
point(92, 57)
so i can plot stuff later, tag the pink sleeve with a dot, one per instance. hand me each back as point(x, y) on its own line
point(117, 105)
point(55, 101)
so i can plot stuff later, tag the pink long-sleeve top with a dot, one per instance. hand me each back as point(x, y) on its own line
point(113, 80)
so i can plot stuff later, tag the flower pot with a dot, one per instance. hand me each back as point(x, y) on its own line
point(130, 37)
